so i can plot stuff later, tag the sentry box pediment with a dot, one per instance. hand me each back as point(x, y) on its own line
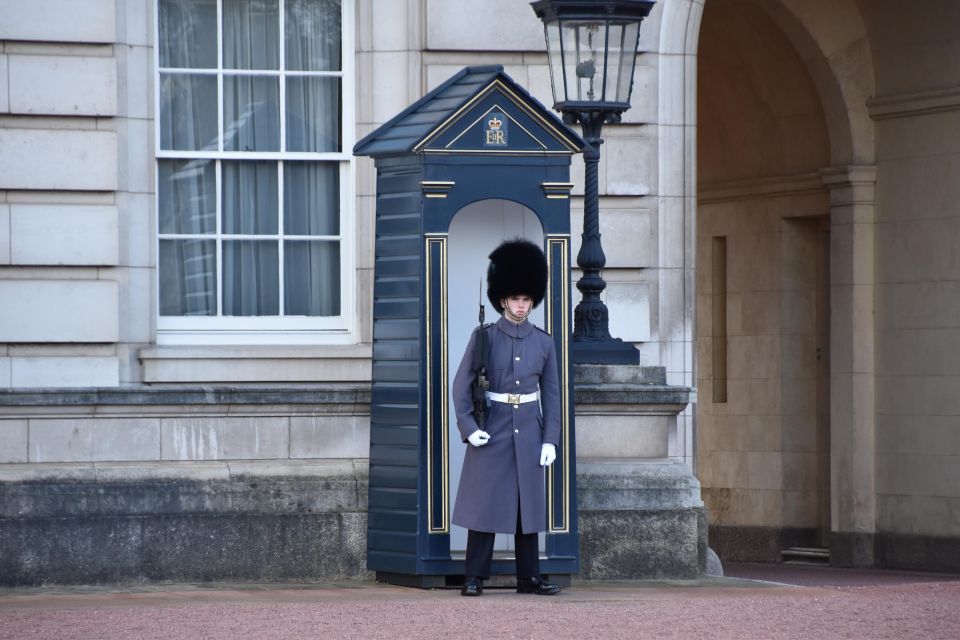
point(475, 161)
point(480, 110)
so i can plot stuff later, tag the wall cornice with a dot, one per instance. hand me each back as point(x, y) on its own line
point(907, 105)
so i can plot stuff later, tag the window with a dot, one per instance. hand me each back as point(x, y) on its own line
point(252, 175)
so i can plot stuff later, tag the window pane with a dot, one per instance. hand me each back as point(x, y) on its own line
point(251, 113)
point(312, 35)
point(313, 114)
point(188, 34)
point(251, 279)
point(311, 278)
point(251, 34)
point(628, 52)
point(249, 202)
point(188, 111)
point(188, 282)
point(187, 194)
point(311, 199)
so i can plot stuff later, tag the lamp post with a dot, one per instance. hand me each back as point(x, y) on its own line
point(592, 48)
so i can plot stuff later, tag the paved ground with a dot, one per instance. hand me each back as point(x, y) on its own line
point(753, 601)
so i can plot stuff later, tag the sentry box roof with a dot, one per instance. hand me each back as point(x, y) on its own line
point(480, 110)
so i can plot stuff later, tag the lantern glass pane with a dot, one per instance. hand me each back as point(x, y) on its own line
point(583, 59)
point(555, 51)
point(626, 56)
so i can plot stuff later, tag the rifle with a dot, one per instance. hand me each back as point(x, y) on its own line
point(480, 383)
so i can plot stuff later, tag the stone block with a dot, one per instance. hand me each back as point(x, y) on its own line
point(13, 441)
point(640, 520)
point(629, 304)
point(4, 85)
point(61, 85)
point(136, 71)
point(136, 305)
point(137, 27)
point(57, 550)
point(329, 437)
point(262, 547)
point(55, 21)
point(497, 25)
point(673, 173)
point(390, 24)
point(161, 529)
point(63, 235)
point(64, 372)
point(800, 508)
point(671, 95)
point(622, 436)
point(630, 162)
point(58, 159)
point(628, 241)
point(4, 234)
point(914, 552)
point(58, 311)
point(94, 439)
point(137, 224)
point(256, 369)
point(391, 85)
point(224, 438)
point(639, 544)
point(764, 470)
point(753, 356)
point(136, 170)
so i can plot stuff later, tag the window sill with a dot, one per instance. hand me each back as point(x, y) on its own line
point(278, 364)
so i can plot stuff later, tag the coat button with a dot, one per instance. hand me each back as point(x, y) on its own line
point(516, 430)
point(518, 382)
point(516, 406)
point(517, 358)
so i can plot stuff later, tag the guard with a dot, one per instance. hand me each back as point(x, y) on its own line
point(502, 483)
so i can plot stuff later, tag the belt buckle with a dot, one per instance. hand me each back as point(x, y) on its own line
point(513, 398)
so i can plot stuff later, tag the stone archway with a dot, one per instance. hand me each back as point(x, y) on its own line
point(797, 159)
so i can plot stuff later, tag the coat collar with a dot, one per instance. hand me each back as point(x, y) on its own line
point(521, 330)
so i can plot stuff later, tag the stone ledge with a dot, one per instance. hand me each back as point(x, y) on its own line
point(355, 393)
point(640, 390)
point(593, 374)
point(182, 470)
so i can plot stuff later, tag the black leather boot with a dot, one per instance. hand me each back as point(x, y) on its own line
point(537, 586)
point(472, 586)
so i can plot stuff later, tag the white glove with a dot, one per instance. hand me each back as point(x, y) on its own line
point(478, 438)
point(548, 453)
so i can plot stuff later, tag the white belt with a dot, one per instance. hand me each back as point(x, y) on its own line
point(513, 398)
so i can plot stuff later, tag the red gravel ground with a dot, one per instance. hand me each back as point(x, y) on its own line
point(834, 604)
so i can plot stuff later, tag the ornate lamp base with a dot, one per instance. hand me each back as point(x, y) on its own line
point(609, 351)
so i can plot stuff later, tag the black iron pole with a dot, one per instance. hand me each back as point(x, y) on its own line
point(592, 342)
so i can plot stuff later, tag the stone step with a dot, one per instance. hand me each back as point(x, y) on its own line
point(806, 555)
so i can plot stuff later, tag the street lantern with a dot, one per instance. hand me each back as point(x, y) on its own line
point(592, 48)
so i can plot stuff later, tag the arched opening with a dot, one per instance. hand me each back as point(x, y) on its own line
point(763, 288)
point(474, 232)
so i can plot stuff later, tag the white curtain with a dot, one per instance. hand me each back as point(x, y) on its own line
point(249, 190)
point(311, 268)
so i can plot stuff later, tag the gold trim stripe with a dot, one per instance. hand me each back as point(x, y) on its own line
point(563, 243)
point(440, 240)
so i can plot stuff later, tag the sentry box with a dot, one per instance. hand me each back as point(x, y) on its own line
point(474, 162)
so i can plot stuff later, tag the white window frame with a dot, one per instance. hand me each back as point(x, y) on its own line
point(268, 330)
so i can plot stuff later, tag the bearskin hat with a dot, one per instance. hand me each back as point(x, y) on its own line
point(517, 267)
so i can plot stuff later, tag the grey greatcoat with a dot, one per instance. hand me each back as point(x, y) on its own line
point(522, 359)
